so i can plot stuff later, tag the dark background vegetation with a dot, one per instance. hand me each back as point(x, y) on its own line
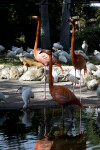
point(18, 29)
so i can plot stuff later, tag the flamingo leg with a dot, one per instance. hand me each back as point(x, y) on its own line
point(45, 82)
point(80, 85)
point(80, 101)
point(80, 121)
point(75, 76)
point(73, 87)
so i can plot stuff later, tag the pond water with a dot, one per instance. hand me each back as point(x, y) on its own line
point(50, 129)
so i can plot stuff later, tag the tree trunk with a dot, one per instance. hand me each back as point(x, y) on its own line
point(65, 28)
point(44, 25)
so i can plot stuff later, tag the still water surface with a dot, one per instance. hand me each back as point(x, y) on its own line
point(50, 129)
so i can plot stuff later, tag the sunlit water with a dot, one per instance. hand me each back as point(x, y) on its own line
point(50, 129)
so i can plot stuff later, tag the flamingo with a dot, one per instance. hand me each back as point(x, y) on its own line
point(78, 61)
point(42, 57)
point(60, 94)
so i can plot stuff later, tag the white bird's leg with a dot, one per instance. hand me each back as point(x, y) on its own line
point(29, 104)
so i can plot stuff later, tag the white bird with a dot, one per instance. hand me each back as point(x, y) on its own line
point(98, 92)
point(55, 75)
point(96, 73)
point(97, 54)
point(26, 118)
point(62, 58)
point(57, 46)
point(29, 49)
point(82, 53)
point(2, 97)
point(14, 48)
point(19, 50)
point(11, 55)
point(72, 79)
point(3, 119)
point(85, 46)
point(2, 48)
point(26, 95)
point(91, 66)
point(28, 55)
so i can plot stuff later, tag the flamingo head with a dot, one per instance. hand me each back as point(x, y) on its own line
point(71, 20)
point(49, 52)
point(35, 17)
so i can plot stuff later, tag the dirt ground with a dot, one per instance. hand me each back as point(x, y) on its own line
point(14, 99)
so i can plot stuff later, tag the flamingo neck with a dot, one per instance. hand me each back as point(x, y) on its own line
point(50, 72)
point(73, 41)
point(37, 36)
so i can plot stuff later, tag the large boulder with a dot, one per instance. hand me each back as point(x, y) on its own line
point(92, 84)
point(5, 73)
point(14, 73)
point(33, 74)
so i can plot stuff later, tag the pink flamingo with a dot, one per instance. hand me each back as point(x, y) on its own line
point(42, 57)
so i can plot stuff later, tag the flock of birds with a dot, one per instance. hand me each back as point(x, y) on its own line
point(60, 94)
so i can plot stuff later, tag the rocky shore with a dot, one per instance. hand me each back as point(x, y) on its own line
point(12, 77)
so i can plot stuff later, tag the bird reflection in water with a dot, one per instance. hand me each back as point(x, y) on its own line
point(44, 144)
point(60, 134)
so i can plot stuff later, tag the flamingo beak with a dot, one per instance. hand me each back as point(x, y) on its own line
point(40, 52)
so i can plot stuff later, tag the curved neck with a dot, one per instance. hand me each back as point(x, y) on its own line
point(50, 72)
point(37, 35)
point(73, 40)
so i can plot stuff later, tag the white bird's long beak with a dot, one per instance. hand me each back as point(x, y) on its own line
point(17, 89)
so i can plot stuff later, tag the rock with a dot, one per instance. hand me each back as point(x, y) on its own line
point(20, 70)
point(14, 73)
point(92, 84)
point(33, 74)
point(5, 73)
point(2, 66)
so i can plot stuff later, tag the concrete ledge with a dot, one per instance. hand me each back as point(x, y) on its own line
point(14, 100)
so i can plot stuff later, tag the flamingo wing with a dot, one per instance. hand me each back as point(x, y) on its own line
point(62, 95)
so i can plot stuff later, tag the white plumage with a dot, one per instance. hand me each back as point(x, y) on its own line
point(98, 91)
point(62, 58)
point(2, 48)
point(19, 50)
point(26, 95)
point(85, 46)
point(2, 97)
point(82, 53)
point(11, 54)
point(14, 48)
point(26, 118)
point(97, 54)
point(57, 46)
point(55, 75)
point(64, 53)
point(96, 73)
point(29, 50)
point(91, 66)
point(72, 78)
point(28, 55)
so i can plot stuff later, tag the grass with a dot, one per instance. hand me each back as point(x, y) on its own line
point(10, 61)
